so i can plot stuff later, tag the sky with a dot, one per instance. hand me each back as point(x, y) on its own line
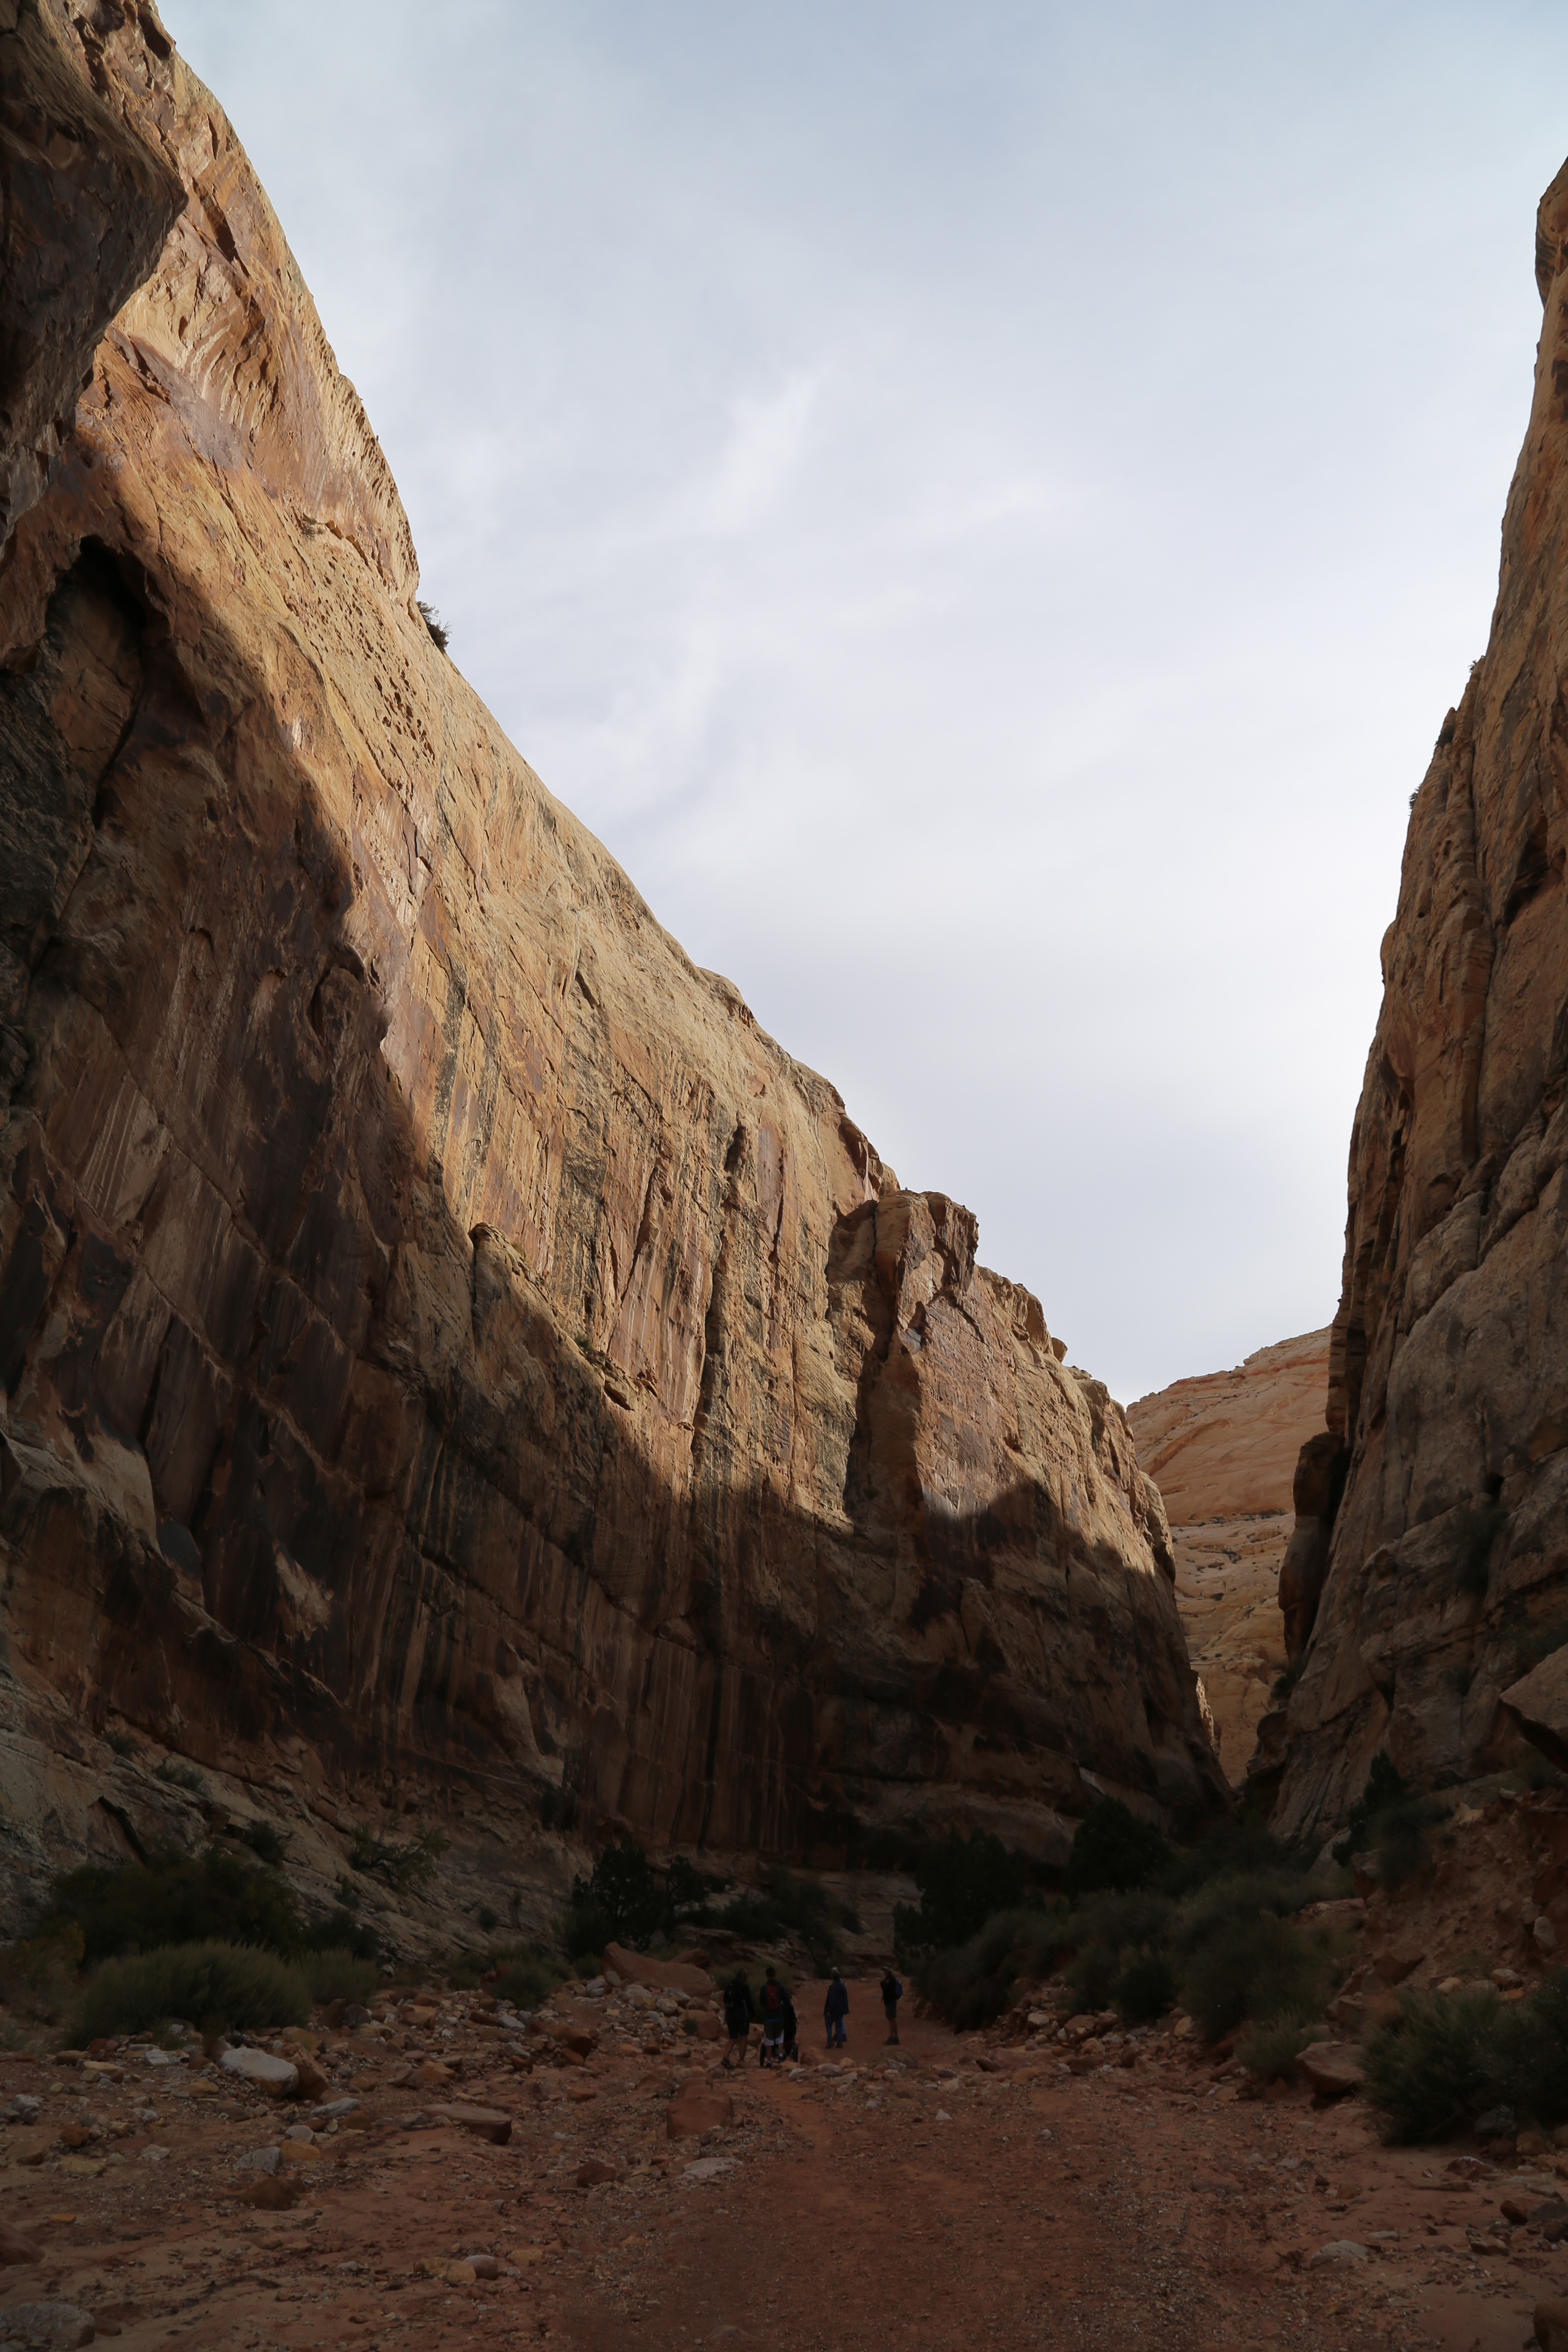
point(984, 512)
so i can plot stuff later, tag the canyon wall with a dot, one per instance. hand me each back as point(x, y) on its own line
point(1428, 1568)
point(1222, 1450)
point(446, 1347)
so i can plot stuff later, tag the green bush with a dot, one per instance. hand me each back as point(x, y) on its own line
point(627, 1900)
point(339, 1975)
point(1269, 2051)
point(408, 1868)
point(1391, 1820)
point(216, 1986)
point(177, 1775)
point(264, 1842)
point(1242, 1848)
point(963, 1882)
point(528, 1980)
point(1257, 1969)
point(175, 1899)
point(1441, 2069)
point(1111, 1848)
point(1091, 1973)
point(1145, 1987)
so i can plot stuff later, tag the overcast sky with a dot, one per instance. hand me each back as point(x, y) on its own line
point(982, 510)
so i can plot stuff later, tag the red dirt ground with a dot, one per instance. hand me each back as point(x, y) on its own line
point(1004, 2202)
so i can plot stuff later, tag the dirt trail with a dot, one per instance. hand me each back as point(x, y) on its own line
point(939, 2202)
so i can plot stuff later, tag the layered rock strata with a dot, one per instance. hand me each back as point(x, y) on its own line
point(445, 1344)
point(1222, 1450)
point(1428, 1569)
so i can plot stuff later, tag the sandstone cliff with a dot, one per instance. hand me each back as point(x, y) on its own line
point(447, 1346)
point(1222, 1450)
point(1429, 1562)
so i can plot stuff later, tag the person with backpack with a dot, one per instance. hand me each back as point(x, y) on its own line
point(892, 1993)
point(738, 2015)
point(772, 2004)
point(835, 2009)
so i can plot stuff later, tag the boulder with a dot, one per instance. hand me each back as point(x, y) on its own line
point(662, 1976)
point(486, 2122)
point(1333, 2069)
point(1551, 2317)
point(693, 2111)
point(17, 2246)
point(47, 2327)
point(279, 2077)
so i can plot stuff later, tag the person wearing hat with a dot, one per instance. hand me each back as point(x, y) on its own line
point(835, 2009)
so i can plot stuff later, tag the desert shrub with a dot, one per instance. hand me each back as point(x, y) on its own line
point(1259, 1968)
point(175, 1899)
point(588, 1927)
point(1476, 1531)
point(1242, 1848)
point(338, 1975)
point(1384, 1786)
point(1145, 1987)
point(1285, 1681)
point(408, 1867)
point(963, 1882)
point(1391, 1820)
point(1091, 1972)
point(1111, 1848)
point(883, 1850)
point(175, 1774)
point(37, 1973)
point(627, 1900)
point(264, 1842)
point(526, 1981)
point(440, 634)
point(1269, 2051)
point(340, 1930)
point(216, 1986)
point(1143, 1917)
point(1441, 2069)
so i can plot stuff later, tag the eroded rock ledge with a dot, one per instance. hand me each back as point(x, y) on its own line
point(1429, 1562)
point(442, 1336)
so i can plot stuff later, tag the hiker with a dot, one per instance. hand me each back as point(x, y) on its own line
point(835, 2009)
point(791, 2032)
point(772, 2004)
point(892, 1993)
point(738, 2015)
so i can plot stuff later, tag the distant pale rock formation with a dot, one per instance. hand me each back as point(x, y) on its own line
point(1222, 1449)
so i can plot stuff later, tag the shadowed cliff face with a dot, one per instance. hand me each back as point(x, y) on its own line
point(436, 1326)
point(1430, 1557)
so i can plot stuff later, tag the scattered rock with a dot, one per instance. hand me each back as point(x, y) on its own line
point(709, 2168)
point(300, 2154)
point(1497, 2123)
point(16, 2246)
point(270, 2196)
point(258, 2159)
point(1340, 2249)
point(596, 2169)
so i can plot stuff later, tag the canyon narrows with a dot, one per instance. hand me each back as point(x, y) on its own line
point(452, 1357)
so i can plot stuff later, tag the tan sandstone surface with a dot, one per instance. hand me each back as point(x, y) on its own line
point(453, 1360)
point(1222, 1450)
point(1428, 1569)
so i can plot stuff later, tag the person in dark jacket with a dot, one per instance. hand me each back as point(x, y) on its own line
point(738, 2015)
point(892, 1993)
point(771, 2002)
point(792, 2031)
point(835, 2009)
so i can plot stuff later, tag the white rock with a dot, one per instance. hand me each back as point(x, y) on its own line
point(259, 2066)
point(154, 2155)
point(258, 2159)
point(1545, 1934)
point(709, 2168)
point(1341, 2250)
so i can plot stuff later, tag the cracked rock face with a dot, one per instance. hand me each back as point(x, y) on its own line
point(440, 1333)
point(1429, 1561)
